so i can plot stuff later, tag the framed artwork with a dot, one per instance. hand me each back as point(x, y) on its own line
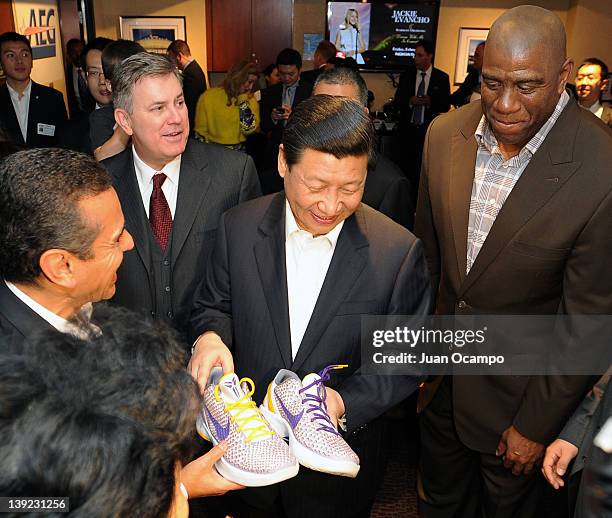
point(469, 39)
point(154, 33)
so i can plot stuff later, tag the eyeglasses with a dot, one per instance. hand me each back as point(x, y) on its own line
point(95, 73)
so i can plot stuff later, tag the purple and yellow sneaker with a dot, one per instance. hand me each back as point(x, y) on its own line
point(256, 455)
point(297, 409)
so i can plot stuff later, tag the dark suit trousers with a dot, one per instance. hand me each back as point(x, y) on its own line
point(457, 482)
point(411, 142)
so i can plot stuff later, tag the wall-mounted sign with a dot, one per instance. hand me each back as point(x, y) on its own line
point(39, 22)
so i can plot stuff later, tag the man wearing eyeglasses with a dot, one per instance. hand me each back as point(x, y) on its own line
point(32, 114)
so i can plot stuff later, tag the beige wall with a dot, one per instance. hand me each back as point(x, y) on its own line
point(588, 24)
point(107, 15)
point(589, 28)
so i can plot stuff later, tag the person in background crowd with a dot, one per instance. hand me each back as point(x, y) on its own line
point(469, 90)
point(80, 102)
point(275, 106)
point(271, 76)
point(591, 81)
point(101, 124)
point(172, 189)
point(422, 94)
point(111, 139)
point(496, 174)
point(324, 52)
point(32, 114)
point(228, 114)
point(194, 79)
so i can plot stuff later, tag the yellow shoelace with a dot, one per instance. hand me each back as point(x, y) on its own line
point(245, 403)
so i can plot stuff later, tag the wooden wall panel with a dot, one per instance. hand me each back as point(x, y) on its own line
point(272, 22)
point(229, 24)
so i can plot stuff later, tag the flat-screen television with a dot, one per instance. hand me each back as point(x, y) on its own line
point(381, 35)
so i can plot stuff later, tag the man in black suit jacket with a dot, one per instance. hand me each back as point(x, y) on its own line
point(247, 301)
point(419, 104)
point(386, 188)
point(530, 148)
point(276, 104)
point(324, 52)
point(199, 183)
point(471, 85)
point(194, 80)
point(41, 113)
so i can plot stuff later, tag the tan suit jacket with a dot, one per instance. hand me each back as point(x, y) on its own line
point(548, 252)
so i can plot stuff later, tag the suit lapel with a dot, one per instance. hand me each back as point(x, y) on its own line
point(271, 264)
point(11, 122)
point(193, 186)
point(547, 172)
point(463, 145)
point(131, 202)
point(346, 265)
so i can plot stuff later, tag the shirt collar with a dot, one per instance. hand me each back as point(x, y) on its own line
point(145, 173)
point(292, 228)
point(26, 92)
point(427, 72)
point(595, 107)
point(485, 137)
point(61, 324)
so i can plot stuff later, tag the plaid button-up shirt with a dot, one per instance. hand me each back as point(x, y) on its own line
point(494, 178)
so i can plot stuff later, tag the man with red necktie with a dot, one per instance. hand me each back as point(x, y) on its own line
point(172, 189)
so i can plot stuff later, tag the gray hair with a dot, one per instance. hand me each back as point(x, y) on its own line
point(133, 69)
point(344, 76)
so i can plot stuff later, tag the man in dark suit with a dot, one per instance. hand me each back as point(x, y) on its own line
point(62, 239)
point(194, 80)
point(80, 101)
point(422, 94)
point(33, 114)
point(324, 52)
point(276, 104)
point(469, 90)
point(263, 307)
point(575, 443)
point(386, 188)
point(172, 190)
point(506, 233)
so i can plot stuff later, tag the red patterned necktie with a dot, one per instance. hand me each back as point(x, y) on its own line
point(160, 216)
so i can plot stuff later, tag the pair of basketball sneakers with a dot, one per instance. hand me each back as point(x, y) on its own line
point(295, 409)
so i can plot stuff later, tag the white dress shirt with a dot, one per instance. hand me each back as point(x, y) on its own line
point(59, 323)
point(419, 77)
point(597, 109)
point(21, 103)
point(307, 260)
point(144, 175)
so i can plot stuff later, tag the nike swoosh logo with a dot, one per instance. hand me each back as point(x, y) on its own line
point(221, 431)
point(293, 419)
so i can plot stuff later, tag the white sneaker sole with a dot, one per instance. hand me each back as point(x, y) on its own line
point(239, 476)
point(305, 456)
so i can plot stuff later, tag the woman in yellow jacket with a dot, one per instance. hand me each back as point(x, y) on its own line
point(227, 114)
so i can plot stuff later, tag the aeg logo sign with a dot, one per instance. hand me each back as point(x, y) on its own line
point(37, 21)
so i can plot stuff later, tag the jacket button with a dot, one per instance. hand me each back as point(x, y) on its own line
point(169, 314)
point(153, 314)
point(166, 262)
point(462, 304)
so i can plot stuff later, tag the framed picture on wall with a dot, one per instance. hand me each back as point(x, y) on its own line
point(154, 33)
point(469, 39)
